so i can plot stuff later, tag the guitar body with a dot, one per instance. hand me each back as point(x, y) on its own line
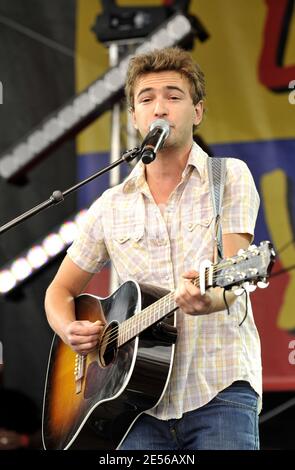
point(91, 404)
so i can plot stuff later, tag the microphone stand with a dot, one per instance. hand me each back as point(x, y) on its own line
point(58, 196)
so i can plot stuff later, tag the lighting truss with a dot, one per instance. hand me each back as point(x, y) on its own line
point(88, 105)
point(37, 256)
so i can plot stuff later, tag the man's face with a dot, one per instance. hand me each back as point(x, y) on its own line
point(166, 95)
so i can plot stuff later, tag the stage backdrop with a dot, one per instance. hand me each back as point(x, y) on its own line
point(249, 62)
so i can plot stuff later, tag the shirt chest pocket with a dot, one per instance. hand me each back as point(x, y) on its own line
point(194, 230)
point(127, 236)
point(193, 226)
point(197, 238)
point(129, 251)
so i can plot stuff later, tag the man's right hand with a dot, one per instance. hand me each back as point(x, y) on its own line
point(83, 336)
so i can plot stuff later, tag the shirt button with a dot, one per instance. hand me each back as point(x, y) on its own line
point(190, 226)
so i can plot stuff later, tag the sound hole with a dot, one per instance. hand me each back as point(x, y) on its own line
point(108, 344)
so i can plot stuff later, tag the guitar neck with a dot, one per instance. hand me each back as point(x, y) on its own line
point(251, 266)
point(150, 315)
point(146, 318)
point(153, 313)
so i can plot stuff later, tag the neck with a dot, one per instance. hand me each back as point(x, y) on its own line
point(168, 164)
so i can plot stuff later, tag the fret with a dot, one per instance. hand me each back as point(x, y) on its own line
point(150, 315)
point(146, 318)
point(121, 335)
point(255, 263)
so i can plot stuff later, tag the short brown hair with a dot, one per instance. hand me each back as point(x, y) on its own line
point(160, 60)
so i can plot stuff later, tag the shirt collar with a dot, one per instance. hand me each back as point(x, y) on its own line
point(136, 179)
point(197, 159)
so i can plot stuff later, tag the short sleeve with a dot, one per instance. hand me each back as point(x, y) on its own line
point(241, 199)
point(88, 250)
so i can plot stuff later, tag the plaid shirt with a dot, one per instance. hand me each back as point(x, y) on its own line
point(156, 245)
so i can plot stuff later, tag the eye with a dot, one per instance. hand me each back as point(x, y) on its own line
point(145, 100)
point(174, 98)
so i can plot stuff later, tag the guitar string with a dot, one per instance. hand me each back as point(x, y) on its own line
point(157, 305)
point(107, 340)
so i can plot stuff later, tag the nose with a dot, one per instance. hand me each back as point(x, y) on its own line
point(160, 109)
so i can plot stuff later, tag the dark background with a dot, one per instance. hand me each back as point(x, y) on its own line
point(36, 79)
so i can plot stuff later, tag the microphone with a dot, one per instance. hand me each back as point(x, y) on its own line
point(154, 140)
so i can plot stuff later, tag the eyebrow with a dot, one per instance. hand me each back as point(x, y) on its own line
point(168, 87)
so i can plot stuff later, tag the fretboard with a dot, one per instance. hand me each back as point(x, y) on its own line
point(150, 315)
point(147, 317)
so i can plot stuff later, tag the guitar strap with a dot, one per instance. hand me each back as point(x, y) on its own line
point(217, 172)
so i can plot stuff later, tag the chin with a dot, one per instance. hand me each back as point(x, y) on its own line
point(173, 144)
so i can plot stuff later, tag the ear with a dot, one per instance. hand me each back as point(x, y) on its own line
point(133, 118)
point(198, 114)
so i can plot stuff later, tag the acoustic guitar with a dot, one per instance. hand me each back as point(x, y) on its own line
point(91, 401)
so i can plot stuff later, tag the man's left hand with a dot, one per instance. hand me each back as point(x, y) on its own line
point(189, 298)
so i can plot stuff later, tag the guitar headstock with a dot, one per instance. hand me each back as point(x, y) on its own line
point(249, 268)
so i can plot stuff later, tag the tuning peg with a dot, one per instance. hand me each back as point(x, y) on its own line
point(262, 284)
point(238, 290)
point(249, 287)
point(252, 247)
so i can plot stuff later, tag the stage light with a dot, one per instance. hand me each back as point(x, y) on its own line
point(87, 106)
point(53, 244)
point(7, 281)
point(21, 269)
point(36, 257)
